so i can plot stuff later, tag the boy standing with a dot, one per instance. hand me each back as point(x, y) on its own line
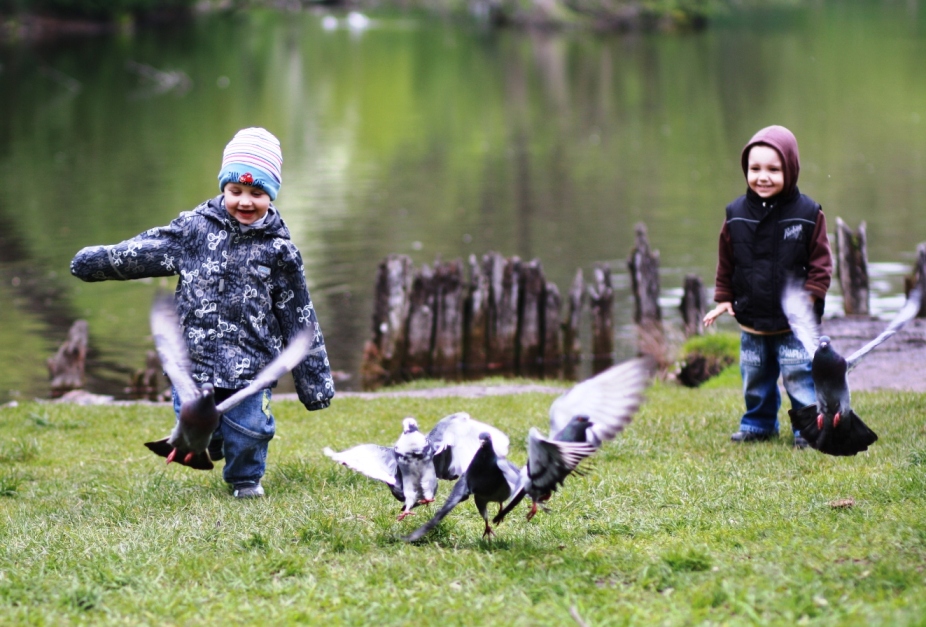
point(770, 234)
point(241, 297)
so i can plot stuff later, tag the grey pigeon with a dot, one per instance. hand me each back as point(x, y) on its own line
point(581, 421)
point(489, 479)
point(831, 425)
point(199, 415)
point(411, 468)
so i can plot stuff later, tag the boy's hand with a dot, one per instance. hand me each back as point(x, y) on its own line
point(716, 312)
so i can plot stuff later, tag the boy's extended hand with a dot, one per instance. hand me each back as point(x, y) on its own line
point(716, 312)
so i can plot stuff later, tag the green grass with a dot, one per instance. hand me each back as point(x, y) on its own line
point(673, 525)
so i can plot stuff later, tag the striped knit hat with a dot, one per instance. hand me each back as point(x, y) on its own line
point(253, 157)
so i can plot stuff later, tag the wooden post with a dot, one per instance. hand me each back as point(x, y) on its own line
point(692, 306)
point(503, 311)
point(572, 345)
point(66, 368)
point(149, 382)
point(449, 299)
point(852, 267)
point(382, 356)
point(601, 304)
point(919, 278)
point(420, 330)
point(551, 351)
point(529, 347)
point(644, 274)
point(476, 321)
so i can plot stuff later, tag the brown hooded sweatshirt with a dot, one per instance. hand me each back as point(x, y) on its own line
point(819, 262)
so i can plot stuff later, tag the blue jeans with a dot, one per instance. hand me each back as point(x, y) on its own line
point(245, 432)
point(762, 359)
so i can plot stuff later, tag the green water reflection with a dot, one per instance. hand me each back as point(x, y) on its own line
point(429, 140)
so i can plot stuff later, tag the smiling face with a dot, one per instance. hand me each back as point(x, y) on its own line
point(245, 203)
point(765, 174)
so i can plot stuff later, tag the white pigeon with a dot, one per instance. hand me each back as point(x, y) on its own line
point(411, 468)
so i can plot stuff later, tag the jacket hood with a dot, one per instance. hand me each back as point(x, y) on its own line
point(273, 225)
point(782, 140)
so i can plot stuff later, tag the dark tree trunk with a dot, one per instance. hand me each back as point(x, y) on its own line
point(644, 275)
point(476, 321)
point(383, 354)
point(572, 345)
point(852, 267)
point(601, 304)
point(530, 328)
point(420, 333)
point(503, 277)
point(919, 278)
point(66, 368)
point(692, 306)
point(552, 324)
point(448, 333)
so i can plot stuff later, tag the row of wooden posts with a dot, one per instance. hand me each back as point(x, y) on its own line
point(506, 318)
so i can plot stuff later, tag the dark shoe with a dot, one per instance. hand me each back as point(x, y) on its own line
point(750, 436)
point(247, 491)
point(800, 442)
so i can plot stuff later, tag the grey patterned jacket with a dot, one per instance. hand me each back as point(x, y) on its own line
point(241, 295)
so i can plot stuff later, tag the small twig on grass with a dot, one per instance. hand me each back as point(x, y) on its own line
point(574, 612)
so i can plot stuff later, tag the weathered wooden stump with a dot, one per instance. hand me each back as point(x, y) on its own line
point(918, 279)
point(532, 301)
point(476, 321)
point(572, 345)
point(692, 306)
point(601, 305)
point(420, 330)
point(502, 327)
point(552, 327)
point(643, 265)
point(382, 358)
point(149, 383)
point(852, 268)
point(447, 357)
point(66, 368)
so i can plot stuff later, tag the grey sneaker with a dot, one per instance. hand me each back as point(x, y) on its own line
point(248, 491)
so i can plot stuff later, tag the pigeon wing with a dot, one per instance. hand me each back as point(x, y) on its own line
point(455, 440)
point(459, 494)
point(906, 313)
point(798, 308)
point(171, 347)
point(551, 461)
point(609, 399)
point(374, 461)
point(291, 356)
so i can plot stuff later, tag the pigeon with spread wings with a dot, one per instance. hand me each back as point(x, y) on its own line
point(831, 425)
point(411, 468)
point(199, 414)
point(581, 421)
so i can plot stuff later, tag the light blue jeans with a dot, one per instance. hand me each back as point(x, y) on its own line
point(245, 433)
point(762, 359)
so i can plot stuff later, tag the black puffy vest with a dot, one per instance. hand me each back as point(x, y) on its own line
point(771, 241)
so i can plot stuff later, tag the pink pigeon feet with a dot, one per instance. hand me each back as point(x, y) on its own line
point(820, 421)
point(836, 419)
point(425, 501)
point(488, 531)
point(172, 455)
point(404, 514)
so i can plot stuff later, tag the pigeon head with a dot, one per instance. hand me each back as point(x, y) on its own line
point(207, 390)
point(824, 341)
point(485, 438)
point(409, 425)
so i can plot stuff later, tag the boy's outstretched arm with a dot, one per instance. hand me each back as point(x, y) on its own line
point(716, 312)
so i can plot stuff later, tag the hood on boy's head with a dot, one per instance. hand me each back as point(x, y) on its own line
point(782, 140)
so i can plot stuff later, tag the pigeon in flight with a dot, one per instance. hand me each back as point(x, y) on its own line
point(199, 415)
point(490, 478)
point(411, 468)
point(831, 425)
point(581, 421)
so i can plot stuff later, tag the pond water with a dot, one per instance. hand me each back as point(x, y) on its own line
point(434, 140)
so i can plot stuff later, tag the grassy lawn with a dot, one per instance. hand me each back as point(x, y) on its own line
point(673, 525)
